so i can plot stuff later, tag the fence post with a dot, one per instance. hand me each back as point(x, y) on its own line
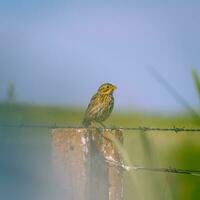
point(79, 157)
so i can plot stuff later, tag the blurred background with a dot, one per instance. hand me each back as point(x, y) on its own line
point(53, 57)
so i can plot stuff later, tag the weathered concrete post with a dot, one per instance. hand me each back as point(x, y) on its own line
point(80, 163)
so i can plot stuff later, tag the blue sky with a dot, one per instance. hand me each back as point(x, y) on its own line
point(60, 52)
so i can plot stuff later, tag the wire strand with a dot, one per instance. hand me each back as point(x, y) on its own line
point(140, 128)
point(114, 162)
point(153, 169)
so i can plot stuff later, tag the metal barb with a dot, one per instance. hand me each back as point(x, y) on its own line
point(124, 167)
point(142, 129)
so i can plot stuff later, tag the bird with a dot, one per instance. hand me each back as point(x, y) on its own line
point(100, 106)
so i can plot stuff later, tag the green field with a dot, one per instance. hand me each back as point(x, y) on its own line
point(27, 152)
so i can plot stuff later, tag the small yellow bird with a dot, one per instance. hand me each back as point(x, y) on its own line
point(100, 106)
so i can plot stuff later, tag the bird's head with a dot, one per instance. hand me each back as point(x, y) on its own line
point(106, 88)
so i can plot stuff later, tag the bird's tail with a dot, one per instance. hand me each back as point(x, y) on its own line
point(86, 123)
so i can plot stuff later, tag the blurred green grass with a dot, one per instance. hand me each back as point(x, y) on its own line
point(153, 149)
point(27, 113)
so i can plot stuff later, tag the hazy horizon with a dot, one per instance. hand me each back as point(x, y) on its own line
point(59, 53)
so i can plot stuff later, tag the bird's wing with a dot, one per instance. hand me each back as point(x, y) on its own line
point(92, 107)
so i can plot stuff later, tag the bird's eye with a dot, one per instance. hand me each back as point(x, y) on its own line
point(107, 87)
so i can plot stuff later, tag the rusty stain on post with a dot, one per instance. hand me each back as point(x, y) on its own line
point(115, 174)
point(79, 157)
point(96, 169)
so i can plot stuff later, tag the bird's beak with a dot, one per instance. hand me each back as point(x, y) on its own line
point(114, 87)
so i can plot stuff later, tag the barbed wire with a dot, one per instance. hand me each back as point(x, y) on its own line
point(128, 168)
point(139, 128)
point(118, 164)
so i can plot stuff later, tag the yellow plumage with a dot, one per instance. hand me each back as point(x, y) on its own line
point(100, 106)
